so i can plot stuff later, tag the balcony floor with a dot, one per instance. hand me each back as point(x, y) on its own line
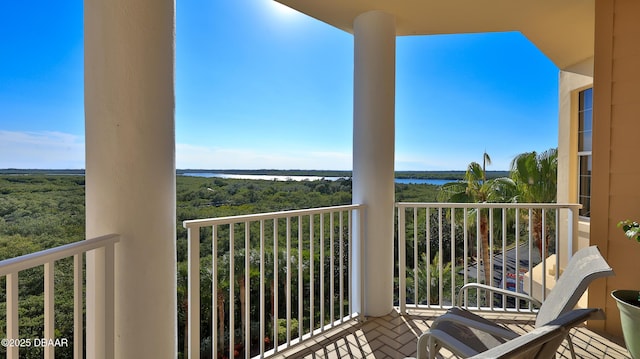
point(395, 336)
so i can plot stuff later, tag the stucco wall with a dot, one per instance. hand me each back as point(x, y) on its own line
point(569, 86)
point(616, 174)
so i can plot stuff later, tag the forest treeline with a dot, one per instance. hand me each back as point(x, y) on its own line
point(40, 211)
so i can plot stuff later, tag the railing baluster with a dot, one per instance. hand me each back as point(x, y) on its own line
point(402, 291)
point(361, 217)
point(530, 233)
point(49, 308)
point(573, 231)
point(428, 262)
point(288, 283)
point(214, 294)
point(479, 256)
point(440, 250)
point(77, 307)
point(276, 302)
point(322, 279)
point(109, 301)
point(350, 260)
point(466, 251)
point(232, 289)
point(415, 256)
point(504, 255)
point(517, 240)
point(557, 244)
point(332, 278)
point(452, 261)
point(490, 259)
point(247, 289)
point(262, 291)
point(341, 261)
point(12, 314)
point(311, 273)
point(193, 285)
point(109, 307)
point(543, 239)
point(300, 280)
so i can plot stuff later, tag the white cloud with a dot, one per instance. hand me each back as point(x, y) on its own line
point(57, 150)
point(202, 157)
point(24, 149)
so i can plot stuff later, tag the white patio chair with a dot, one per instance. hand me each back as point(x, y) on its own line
point(465, 333)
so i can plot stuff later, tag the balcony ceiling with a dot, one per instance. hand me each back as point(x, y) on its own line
point(562, 29)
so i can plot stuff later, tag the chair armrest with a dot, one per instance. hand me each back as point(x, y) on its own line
point(464, 290)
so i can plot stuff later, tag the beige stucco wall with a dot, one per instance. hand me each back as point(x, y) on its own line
point(569, 86)
point(616, 174)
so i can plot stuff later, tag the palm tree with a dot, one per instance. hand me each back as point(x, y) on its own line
point(536, 177)
point(270, 281)
point(477, 189)
point(428, 277)
point(222, 283)
point(486, 160)
point(183, 302)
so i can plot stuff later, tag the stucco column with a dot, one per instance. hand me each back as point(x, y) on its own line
point(615, 178)
point(130, 172)
point(373, 152)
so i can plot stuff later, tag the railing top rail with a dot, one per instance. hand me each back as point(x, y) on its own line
point(27, 261)
point(487, 205)
point(197, 223)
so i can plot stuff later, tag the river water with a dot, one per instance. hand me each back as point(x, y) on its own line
point(432, 181)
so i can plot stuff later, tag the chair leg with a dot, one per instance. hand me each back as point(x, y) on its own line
point(434, 348)
point(571, 349)
point(423, 342)
point(428, 348)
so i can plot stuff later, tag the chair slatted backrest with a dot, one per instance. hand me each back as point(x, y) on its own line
point(585, 266)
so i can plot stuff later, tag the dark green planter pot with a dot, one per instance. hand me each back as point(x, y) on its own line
point(630, 319)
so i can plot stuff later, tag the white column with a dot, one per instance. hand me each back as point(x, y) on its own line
point(373, 152)
point(130, 173)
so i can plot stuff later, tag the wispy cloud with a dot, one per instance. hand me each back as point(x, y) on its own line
point(203, 157)
point(23, 149)
point(27, 149)
point(30, 149)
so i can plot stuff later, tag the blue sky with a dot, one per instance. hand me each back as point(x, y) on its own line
point(258, 86)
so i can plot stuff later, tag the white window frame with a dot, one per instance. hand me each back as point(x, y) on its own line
point(584, 154)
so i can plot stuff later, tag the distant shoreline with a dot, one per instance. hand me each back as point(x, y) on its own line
point(444, 175)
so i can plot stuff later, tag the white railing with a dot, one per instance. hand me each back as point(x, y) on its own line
point(277, 279)
point(11, 268)
point(438, 244)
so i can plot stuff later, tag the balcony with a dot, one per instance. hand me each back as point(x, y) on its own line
point(301, 274)
point(130, 157)
point(395, 336)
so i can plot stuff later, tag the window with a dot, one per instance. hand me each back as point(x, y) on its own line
point(585, 122)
